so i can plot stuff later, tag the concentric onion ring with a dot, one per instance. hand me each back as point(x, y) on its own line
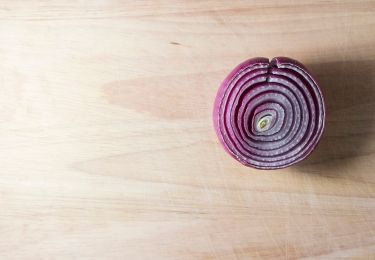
point(269, 115)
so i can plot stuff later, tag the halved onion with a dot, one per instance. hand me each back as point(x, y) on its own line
point(269, 115)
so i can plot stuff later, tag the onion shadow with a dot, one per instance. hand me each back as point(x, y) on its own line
point(349, 92)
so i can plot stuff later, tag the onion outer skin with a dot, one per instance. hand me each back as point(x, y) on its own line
point(281, 96)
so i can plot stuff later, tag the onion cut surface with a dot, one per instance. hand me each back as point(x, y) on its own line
point(269, 115)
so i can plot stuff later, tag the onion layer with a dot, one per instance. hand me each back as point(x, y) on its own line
point(269, 115)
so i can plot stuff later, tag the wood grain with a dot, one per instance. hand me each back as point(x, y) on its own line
point(108, 150)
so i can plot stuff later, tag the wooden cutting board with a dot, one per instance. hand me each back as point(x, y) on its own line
point(107, 149)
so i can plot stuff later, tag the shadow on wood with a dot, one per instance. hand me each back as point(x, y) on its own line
point(349, 92)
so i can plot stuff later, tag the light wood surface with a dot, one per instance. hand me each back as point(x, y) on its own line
point(107, 149)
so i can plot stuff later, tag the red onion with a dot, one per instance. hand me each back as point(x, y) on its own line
point(269, 115)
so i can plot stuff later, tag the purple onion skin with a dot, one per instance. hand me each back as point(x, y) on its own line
point(269, 115)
